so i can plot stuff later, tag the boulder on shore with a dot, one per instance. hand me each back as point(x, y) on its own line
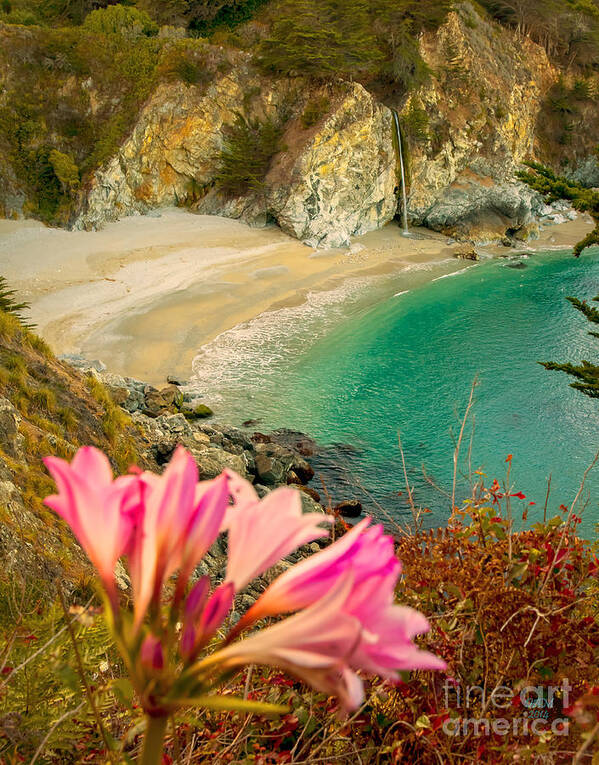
point(467, 253)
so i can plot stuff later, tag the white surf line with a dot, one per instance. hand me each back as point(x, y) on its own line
point(455, 273)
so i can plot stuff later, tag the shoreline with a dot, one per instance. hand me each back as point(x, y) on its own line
point(146, 293)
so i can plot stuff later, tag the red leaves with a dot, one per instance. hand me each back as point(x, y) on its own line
point(439, 718)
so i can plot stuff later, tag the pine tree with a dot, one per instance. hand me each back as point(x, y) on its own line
point(586, 373)
point(555, 187)
point(248, 149)
point(8, 304)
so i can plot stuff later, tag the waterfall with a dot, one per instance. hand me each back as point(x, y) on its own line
point(403, 175)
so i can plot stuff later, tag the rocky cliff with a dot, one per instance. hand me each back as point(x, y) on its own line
point(479, 117)
point(335, 171)
point(333, 180)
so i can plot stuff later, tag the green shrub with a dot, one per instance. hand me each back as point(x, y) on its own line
point(9, 304)
point(44, 398)
point(202, 16)
point(22, 17)
point(415, 124)
point(65, 170)
point(120, 20)
point(315, 110)
point(249, 147)
point(185, 60)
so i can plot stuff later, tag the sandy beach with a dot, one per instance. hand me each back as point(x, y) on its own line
point(145, 293)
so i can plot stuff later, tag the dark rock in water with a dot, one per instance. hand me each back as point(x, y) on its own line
point(261, 438)
point(301, 468)
point(174, 380)
point(310, 492)
point(293, 479)
point(518, 265)
point(296, 441)
point(250, 423)
point(351, 508)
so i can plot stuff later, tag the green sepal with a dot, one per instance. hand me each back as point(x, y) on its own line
point(234, 704)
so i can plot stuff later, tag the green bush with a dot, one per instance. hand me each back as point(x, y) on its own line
point(120, 20)
point(18, 16)
point(315, 110)
point(65, 170)
point(249, 147)
point(202, 16)
point(415, 124)
point(9, 304)
point(185, 61)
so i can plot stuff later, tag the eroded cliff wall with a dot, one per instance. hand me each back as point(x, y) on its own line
point(334, 176)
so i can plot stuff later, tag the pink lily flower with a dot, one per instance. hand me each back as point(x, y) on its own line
point(315, 645)
point(385, 644)
point(99, 510)
point(180, 520)
point(203, 616)
point(368, 551)
point(388, 629)
point(152, 653)
point(262, 532)
point(211, 502)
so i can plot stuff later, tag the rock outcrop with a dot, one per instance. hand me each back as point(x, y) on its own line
point(334, 180)
point(466, 132)
point(266, 460)
point(480, 108)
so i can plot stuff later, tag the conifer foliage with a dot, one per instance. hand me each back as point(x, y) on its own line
point(554, 187)
point(9, 304)
point(362, 38)
point(586, 373)
point(247, 153)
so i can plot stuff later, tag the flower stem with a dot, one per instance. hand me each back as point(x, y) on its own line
point(154, 740)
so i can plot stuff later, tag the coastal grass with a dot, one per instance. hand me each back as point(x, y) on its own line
point(55, 413)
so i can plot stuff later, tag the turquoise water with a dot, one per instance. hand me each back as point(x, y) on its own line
point(407, 364)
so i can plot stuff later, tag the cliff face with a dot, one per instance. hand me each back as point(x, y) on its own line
point(333, 180)
point(336, 173)
point(482, 106)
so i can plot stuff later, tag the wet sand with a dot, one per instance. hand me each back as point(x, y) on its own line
point(145, 293)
